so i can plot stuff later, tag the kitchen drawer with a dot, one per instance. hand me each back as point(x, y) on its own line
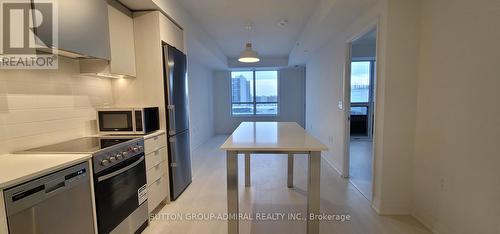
point(155, 173)
point(156, 157)
point(157, 192)
point(154, 143)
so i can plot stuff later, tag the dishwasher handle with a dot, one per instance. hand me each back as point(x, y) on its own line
point(55, 185)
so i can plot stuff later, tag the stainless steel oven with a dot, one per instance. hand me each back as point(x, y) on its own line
point(120, 186)
point(128, 120)
point(121, 189)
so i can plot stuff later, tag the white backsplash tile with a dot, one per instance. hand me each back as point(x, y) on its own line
point(43, 107)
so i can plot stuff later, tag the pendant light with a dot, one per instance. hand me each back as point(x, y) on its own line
point(248, 55)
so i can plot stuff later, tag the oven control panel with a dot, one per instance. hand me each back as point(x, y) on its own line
point(116, 154)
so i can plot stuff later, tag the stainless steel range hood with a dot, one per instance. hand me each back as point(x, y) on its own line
point(82, 28)
point(122, 50)
point(62, 52)
point(99, 68)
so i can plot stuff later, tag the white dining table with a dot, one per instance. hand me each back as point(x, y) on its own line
point(287, 138)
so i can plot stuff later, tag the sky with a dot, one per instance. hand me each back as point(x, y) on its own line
point(360, 73)
point(267, 84)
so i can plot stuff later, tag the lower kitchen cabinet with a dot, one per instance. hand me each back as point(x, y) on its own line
point(156, 170)
point(157, 191)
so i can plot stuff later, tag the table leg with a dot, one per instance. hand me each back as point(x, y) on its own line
point(313, 191)
point(290, 171)
point(247, 169)
point(232, 191)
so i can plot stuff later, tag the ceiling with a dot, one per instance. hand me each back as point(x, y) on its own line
point(334, 19)
point(225, 21)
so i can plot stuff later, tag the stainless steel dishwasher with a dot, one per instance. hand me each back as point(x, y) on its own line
point(56, 203)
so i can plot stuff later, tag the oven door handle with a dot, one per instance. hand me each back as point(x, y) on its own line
point(115, 173)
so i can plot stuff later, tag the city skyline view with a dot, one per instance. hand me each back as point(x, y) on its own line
point(265, 99)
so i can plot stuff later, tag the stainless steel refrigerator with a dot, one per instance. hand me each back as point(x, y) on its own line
point(177, 113)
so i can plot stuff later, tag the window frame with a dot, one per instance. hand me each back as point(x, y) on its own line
point(254, 102)
point(371, 97)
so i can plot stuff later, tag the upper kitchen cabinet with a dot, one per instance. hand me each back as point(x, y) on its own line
point(171, 33)
point(82, 28)
point(121, 35)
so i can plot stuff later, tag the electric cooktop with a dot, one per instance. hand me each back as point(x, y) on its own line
point(82, 145)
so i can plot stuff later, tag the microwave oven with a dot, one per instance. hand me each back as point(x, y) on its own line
point(128, 121)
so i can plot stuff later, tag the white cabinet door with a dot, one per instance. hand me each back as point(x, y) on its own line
point(171, 33)
point(157, 192)
point(121, 35)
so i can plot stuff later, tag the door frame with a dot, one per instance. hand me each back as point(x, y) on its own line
point(347, 97)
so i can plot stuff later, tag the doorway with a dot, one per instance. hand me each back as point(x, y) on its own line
point(360, 88)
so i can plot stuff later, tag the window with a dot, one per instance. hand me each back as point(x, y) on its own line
point(360, 81)
point(254, 93)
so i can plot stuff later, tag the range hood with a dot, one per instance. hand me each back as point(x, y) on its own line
point(99, 68)
point(121, 46)
point(62, 52)
point(82, 28)
point(89, 66)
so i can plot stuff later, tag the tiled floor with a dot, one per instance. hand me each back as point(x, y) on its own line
point(360, 166)
point(269, 194)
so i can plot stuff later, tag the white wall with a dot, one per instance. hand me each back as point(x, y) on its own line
point(43, 107)
point(291, 100)
point(395, 101)
point(200, 102)
point(457, 174)
point(325, 87)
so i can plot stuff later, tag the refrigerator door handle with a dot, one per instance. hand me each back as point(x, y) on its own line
point(173, 163)
point(171, 119)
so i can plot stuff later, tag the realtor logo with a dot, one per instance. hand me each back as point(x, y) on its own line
point(29, 32)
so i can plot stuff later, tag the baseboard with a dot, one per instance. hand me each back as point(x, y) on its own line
point(332, 165)
point(393, 209)
point(376, 209)
point(426, 225)
point(376, 204)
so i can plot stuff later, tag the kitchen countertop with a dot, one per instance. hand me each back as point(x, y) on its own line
point(153, 134)
point(19, 168)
